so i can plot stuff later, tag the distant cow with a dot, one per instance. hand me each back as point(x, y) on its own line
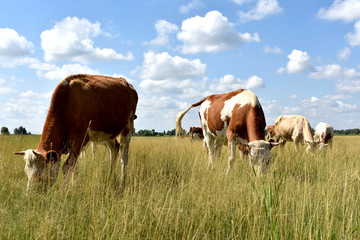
point(324, 134)
point(83, 108)
point(235, 119)
point(270, 132)
point(295, 128)
point(196, 133)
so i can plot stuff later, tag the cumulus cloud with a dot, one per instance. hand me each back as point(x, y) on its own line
point(71, 40)
point(331, 71)
point(351, 86)
point(262, 9)
point(194, 4)
point(211, 33)
point(328, 104)
point(163, 73)
point(230, 83)
point(353, 39)
point(344, 54)
point(162, 66)
point(163, 30)
point(299, 61)
point(346, 10)
point(50, 71)
point(14, 45)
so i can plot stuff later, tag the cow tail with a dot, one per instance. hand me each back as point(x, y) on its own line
point(179, 131)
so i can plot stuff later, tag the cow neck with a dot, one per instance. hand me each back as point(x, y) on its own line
point(307, 132)
point(52, 136)
point(256, 124)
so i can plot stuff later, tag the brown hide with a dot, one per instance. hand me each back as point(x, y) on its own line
point(246, 122)
point(107, 104)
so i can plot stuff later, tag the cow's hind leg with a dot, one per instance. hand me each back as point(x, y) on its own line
point(232, 152)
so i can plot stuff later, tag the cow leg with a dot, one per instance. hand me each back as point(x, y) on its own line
point(70, 166)
point(114, 146)
point(124, 145)
point(209, 144)
point(232, 152)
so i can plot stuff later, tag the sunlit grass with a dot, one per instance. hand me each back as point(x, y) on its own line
point(170, 194)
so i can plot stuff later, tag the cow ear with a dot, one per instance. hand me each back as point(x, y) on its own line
point(51, 156)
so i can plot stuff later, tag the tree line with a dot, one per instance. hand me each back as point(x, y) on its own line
point(152, 133)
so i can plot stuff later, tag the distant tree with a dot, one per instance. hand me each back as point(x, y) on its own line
point(20, 131)
point(5, 131)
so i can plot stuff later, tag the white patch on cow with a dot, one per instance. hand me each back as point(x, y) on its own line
point(242, 99)
point(202, 109)
point(97, 136)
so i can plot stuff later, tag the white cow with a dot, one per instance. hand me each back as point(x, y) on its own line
point(295, 128)
point(324, 134)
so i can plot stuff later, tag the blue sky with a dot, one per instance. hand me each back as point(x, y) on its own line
point(298, 57)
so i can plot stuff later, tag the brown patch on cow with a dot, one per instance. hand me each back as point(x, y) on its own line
point(247, 122)
point(271, 130)
point(213, 114)
point(326, 138)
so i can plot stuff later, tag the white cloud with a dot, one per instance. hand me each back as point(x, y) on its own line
point(274, 50)
point(353, 39)
point(230, 83)
point(14, 45)
point(331, 71)
point(71, 40)
point(58, 73)
point(194, 4)
point(262, 9)
point(352, 86)
point(163, 29)
point(346, 10)
point(299, 62)
point(322, 107)
point(50, 71)
point(163, 73)
point(211, 33)
point(344, 54)
point(162, 66)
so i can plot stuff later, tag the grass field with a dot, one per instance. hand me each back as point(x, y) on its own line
point(170, 194)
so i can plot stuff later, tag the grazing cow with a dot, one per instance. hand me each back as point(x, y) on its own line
point(235, 119)
point(324, 134)
point(270, 132)
point(295, 128)
point(83, 108)
point(196, 133)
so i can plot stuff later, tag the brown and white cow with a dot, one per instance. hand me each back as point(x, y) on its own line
point(196, 133)
point(295, 128)
point(324, 134)
point(270, 132)
point(235, 119)
point(83, 108)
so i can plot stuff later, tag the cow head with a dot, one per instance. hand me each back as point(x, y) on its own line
point(259, 155)
point(311, 146)
point(40, 169)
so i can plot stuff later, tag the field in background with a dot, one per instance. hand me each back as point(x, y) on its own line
point(170, 194)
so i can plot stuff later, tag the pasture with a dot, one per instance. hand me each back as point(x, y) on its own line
point(170, 194)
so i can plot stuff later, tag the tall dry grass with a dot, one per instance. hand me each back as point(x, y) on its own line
point(170, 194)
